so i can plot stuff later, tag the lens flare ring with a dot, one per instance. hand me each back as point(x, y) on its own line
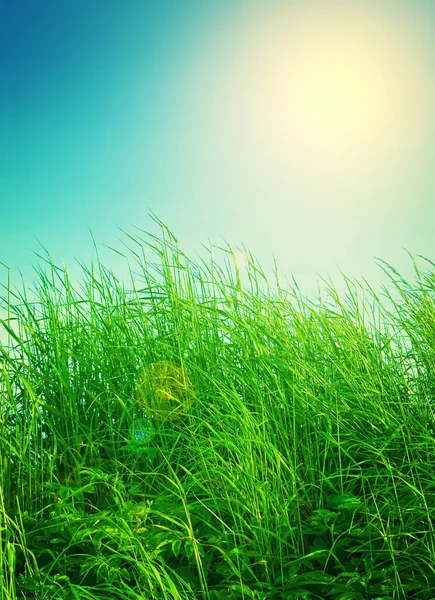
point(164, 390)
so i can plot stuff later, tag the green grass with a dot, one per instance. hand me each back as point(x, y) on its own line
point(301, 464)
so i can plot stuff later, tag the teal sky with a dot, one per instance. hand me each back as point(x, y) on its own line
point(304, 129)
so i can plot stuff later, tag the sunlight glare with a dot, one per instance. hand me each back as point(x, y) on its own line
point(331, 92)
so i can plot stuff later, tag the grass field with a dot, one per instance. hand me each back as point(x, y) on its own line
point(200, 438)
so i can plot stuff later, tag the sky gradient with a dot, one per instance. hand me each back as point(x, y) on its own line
point(299, 128)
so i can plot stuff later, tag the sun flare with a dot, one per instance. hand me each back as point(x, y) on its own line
point(330, 91)
point(164, 390)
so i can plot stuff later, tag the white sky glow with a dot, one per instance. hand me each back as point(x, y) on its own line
point(332, 94)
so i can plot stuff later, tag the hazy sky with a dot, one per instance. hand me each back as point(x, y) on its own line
point(303, 128)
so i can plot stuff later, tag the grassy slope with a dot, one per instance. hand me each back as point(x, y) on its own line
point(303, 469)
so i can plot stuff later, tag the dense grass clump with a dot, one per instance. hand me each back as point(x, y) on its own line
point(200, 438)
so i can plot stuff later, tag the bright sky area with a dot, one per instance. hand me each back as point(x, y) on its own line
point(300, 128)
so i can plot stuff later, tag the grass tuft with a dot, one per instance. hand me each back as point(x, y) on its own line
point(200, 437)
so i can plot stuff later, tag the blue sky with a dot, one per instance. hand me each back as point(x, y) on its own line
point(303, 129)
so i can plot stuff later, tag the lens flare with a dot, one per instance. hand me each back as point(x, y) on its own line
point(164, 390)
